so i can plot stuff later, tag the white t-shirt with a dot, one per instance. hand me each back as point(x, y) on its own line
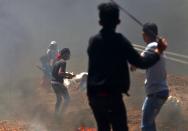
point(156, 76)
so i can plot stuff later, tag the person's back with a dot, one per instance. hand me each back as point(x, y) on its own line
point(107, 62)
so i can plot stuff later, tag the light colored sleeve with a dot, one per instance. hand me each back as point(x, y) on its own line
point(149, 49)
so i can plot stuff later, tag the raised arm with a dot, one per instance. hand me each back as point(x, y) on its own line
point(142, 62)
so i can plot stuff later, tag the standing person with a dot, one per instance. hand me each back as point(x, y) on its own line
point(156, 86)
point(47, 62)
point(46, 69)
point(58, 76)
point(108, 75)
point(52, 52)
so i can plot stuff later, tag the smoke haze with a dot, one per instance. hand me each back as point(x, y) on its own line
point(28, 26)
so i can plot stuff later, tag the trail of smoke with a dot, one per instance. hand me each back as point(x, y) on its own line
point(176, 54)
point(167, 52)
point(139, 46)
point(177, 60)
point(138, 49)
point(169, 58)
point(36, 125)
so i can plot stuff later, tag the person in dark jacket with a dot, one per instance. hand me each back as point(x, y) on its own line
point(109, 53)
point(58, 76)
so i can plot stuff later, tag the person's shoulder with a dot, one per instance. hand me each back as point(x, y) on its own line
point(94, 40)
point(95, 37)
point(122, 37)
point(60, 62)
point(123, 40)
point(152, 45)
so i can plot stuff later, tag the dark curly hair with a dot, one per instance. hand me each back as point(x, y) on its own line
point(64, 53)
point(151, 30)
point(108, 13)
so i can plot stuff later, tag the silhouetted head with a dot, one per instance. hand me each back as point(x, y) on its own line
point(109, 15)
point(150, 32)
point(65, 53)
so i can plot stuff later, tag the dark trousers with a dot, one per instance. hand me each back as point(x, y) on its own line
point(60, 90)
point(109, 111)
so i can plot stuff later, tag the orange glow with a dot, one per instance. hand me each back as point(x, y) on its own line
point(86, 129)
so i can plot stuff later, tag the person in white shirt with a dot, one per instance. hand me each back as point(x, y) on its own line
point(156, 86)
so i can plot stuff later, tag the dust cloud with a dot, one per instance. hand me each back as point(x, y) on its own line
point(28, 26)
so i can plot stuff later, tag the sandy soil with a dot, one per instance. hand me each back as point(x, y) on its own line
point(32, 109)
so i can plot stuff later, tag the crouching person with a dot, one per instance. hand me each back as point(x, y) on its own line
point(57, 82)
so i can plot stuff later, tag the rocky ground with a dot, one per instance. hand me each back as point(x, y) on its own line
point(29, 107)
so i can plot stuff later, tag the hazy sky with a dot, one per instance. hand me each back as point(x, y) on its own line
point(28, 26)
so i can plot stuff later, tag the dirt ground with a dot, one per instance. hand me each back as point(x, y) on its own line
point(30, 107)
